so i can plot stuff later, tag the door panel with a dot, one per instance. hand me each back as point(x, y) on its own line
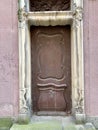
point(51, 68)
point(51, 5)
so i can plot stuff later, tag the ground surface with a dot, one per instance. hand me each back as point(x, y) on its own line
point(45, 123)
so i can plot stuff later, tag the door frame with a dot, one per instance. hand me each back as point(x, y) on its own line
point(74, 18)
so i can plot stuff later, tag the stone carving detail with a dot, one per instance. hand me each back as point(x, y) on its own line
point(79, 101)
point(23, 101)
point(51, 5)
point(22, 15)
point(77, 14)
point(77, 20)
point(24, 88)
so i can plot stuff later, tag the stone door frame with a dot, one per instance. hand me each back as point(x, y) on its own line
point(74, 17)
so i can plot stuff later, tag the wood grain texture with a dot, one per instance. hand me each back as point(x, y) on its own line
point(51, 68)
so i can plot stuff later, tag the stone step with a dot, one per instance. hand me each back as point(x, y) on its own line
point(52, 125)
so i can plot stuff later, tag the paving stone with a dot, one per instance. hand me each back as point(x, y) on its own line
point(80, 127)
point(52, 124)
point(39, 126)
point(69, 127)
point(89, 126)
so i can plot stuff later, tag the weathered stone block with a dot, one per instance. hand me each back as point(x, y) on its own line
point(89, 126)
point(23, 119)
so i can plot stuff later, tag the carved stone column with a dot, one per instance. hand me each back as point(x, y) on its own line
point(24, 61)
point(78, 66)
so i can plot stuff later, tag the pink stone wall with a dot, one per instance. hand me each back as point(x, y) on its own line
point(91, 56)
point(8, 58)
point(9, 79)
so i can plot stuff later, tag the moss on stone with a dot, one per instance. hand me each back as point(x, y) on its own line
point(70, 127)
point(5, 123)
point(23, 120)
point(39, 126)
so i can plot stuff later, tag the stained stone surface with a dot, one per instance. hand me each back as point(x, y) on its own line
point(52, 123)
point(8, 58)
point(5, 123)
point(89, 126)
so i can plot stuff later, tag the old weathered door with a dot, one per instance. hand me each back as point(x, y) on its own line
point(51, 69)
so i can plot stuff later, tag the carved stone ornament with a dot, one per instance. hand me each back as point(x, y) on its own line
point(23, 101)
point(77, 20)
point(79, 101)
point(51, 5)
point(77, 14)
point(22, 14)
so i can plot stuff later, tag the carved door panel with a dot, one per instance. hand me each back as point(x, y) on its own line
point(51, 68)
point(51, 5)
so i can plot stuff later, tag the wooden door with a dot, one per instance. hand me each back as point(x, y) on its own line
point(51, 69)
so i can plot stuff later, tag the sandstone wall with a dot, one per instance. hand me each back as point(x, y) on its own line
point(91, 56)
point(8, 58)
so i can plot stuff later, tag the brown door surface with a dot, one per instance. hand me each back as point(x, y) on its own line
point(51, 69)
